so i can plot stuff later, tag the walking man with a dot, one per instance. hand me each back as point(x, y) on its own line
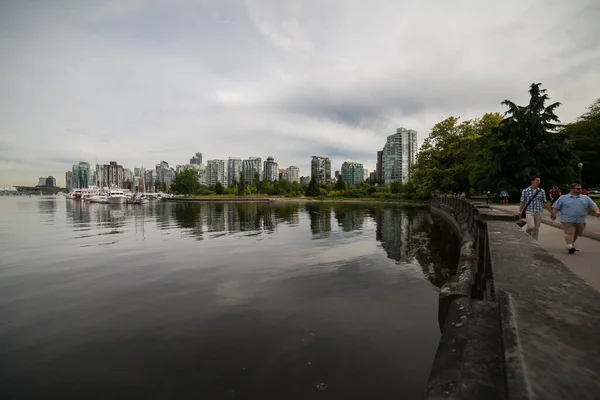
point(573, 208)
point(532, 200)
point(554, 194)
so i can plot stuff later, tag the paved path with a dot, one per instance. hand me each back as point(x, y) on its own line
point(592, 228)
point(585, 262)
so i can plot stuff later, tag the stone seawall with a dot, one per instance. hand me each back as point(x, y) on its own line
point(527, 328)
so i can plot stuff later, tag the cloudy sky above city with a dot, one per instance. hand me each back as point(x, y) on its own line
point(143, 81)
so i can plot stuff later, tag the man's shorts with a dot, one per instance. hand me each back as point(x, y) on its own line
point(572, 228)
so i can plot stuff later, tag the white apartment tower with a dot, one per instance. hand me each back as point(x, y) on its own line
point(216, 171)
point(250, 167)
point(320, 167)
point(234, 169)
point(399, 155)
point(271, 170)
point(292, 174)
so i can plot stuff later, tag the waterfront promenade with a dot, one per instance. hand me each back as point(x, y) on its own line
point(584, 262)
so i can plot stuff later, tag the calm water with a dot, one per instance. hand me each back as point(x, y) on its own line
point(218, 301)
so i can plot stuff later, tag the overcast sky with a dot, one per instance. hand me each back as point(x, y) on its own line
point(143, 81)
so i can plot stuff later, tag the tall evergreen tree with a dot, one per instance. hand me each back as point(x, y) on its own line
point(528, 143)
point(340, 184)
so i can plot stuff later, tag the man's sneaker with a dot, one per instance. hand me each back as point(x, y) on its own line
point(572, 250)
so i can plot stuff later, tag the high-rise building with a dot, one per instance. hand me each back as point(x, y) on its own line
point(216, 171)
point(234, 169)
point(353, 173)
point(108, 175)
point(398, 156)
point(68, 180)
point(292, 174)
point(336, 175)
point(378, 176)
point(137, 171)
point(197, 159)
point(81, 175)
point(114, 174)
point(304, 180)
point(321, 168)
point(41, 181)
point(150, 180)
point(250, 167)
point(50, 181)
point(127, 175)
point(164, 174)
point(282, 174)
point(271, 170)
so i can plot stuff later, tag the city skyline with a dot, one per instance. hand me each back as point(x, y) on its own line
point(139, 82)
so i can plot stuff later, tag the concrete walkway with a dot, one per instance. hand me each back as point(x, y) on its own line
point(586, 262)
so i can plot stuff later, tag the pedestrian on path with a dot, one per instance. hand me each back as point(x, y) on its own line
point(554, 194)
point(573, 208)
point(532, 200)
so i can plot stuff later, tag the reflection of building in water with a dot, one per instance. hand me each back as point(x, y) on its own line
point(216, 219)
point(320, 219)
point(349, 218)
point(78, 214)
point(394, 230)
point(47, 206)
point(269, 219)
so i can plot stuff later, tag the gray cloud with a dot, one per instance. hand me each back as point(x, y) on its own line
point(143, 81)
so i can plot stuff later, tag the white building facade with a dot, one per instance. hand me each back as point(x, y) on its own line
point(271, 170)
point(352, 172)
point(292, 174)
point(234, 169)
point(399, 155)
point(216, 171)
point(250, 167)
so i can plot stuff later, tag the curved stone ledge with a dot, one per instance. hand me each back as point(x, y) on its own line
point(534, 337)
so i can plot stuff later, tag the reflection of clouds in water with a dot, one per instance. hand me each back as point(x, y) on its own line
point(345, 251)
point(231, 293)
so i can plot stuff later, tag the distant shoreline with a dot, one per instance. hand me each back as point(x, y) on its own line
point(265, 200)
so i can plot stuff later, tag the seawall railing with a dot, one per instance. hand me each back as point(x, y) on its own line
point(517, 323)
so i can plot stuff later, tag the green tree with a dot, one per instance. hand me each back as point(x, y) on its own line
point(528, 143)
point(219, 188)
point(313, 188)
point(340, 184)
point(185, 182)
point(257, 180)
point(584, 135)
point(242, 185)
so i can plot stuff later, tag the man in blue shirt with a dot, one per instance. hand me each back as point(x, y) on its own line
point(573, 209)
point(533, 199)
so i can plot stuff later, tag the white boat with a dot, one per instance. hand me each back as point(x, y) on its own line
point(99, 198)
point(116, 196)
point(139, 198)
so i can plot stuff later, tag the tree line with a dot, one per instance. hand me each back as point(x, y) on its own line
point(186, 183)
point(492, 153)
point(502, 152)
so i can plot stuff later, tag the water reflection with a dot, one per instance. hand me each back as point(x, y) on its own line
point(320, 219)
point(406, 234)
point(350, 217)
point(255, 301)
point(47, 205)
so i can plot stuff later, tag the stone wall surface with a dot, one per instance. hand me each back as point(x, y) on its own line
point(532, 333)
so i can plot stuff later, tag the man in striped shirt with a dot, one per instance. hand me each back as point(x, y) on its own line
point(533, 199)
